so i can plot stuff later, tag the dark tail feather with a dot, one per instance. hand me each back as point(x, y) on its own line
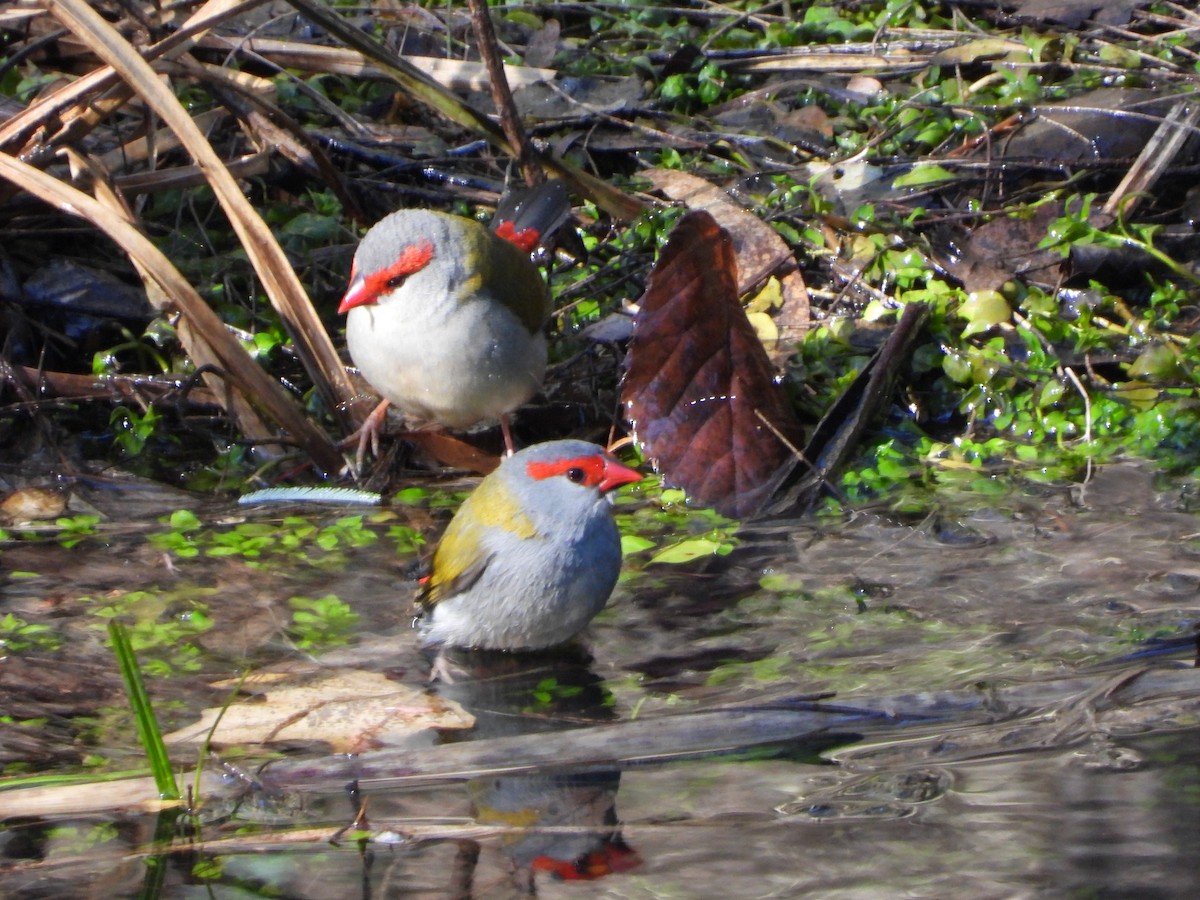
point(530, 217)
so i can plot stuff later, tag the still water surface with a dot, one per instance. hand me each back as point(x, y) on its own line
point(1054, 767)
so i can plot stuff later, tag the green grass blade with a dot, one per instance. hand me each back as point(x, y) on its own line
point(143, 714)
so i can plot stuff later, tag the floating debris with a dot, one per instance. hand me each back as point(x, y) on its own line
point(332, 496)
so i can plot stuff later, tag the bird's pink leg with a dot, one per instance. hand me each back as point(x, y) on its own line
point(507, 432)
point(368, 433)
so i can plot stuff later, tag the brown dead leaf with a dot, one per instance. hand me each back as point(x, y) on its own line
point(450, 451)
point(1008, 249)
point(543, 45)
point(1105, 124)
point(760, 251)
point(32, 504)
point(350, 710)
point(812, 118)
point(699, 388)
point(982, 51)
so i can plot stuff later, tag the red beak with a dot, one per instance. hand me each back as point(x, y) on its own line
point(356, 295)
point(616, 474)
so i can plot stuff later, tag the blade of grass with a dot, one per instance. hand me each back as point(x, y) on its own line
point(143, 713)
point(456, 74)
point(279, 281)
point(98, 794)
point(210, 339)
point(80, 104)
point(206, 747)
point(156, 864)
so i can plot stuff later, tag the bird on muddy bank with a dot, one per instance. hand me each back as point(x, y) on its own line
point(445, 317)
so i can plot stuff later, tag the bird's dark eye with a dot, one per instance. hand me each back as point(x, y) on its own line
point(395, 281)
point(576, 474)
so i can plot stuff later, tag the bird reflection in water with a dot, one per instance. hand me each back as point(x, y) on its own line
point(559, 824)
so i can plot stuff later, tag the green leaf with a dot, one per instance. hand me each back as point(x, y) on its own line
point(184, 520)
point(922, 175)
point(1157, 361)
point(983, 310)
point(632, 543)
point(686, 551)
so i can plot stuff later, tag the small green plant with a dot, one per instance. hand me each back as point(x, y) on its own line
point(19, 636)
point(548, 690)
point(406, 539)
point(133, 429)
point(74, 529)
point(348, 531)
point(694, 90)
point(321, 623)
point(180, 539)
point(161, 625)
point(255, 542)
point(657, 527)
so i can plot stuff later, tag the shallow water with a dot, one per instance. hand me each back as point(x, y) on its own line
point(1049, 767)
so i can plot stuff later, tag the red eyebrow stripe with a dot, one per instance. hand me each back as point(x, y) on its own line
point(413, 258)
point(366, 289)
point(593, 467)
point(601, 472)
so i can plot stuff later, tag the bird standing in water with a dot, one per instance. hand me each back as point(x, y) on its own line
point(532, 554)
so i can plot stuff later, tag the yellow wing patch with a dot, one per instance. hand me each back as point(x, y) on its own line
point(492, 504)
point(459, 560)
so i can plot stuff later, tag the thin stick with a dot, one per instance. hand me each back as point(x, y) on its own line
point(510, 121)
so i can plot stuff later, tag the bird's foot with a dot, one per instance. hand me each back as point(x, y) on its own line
point(442, 670)
point(367, 436)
